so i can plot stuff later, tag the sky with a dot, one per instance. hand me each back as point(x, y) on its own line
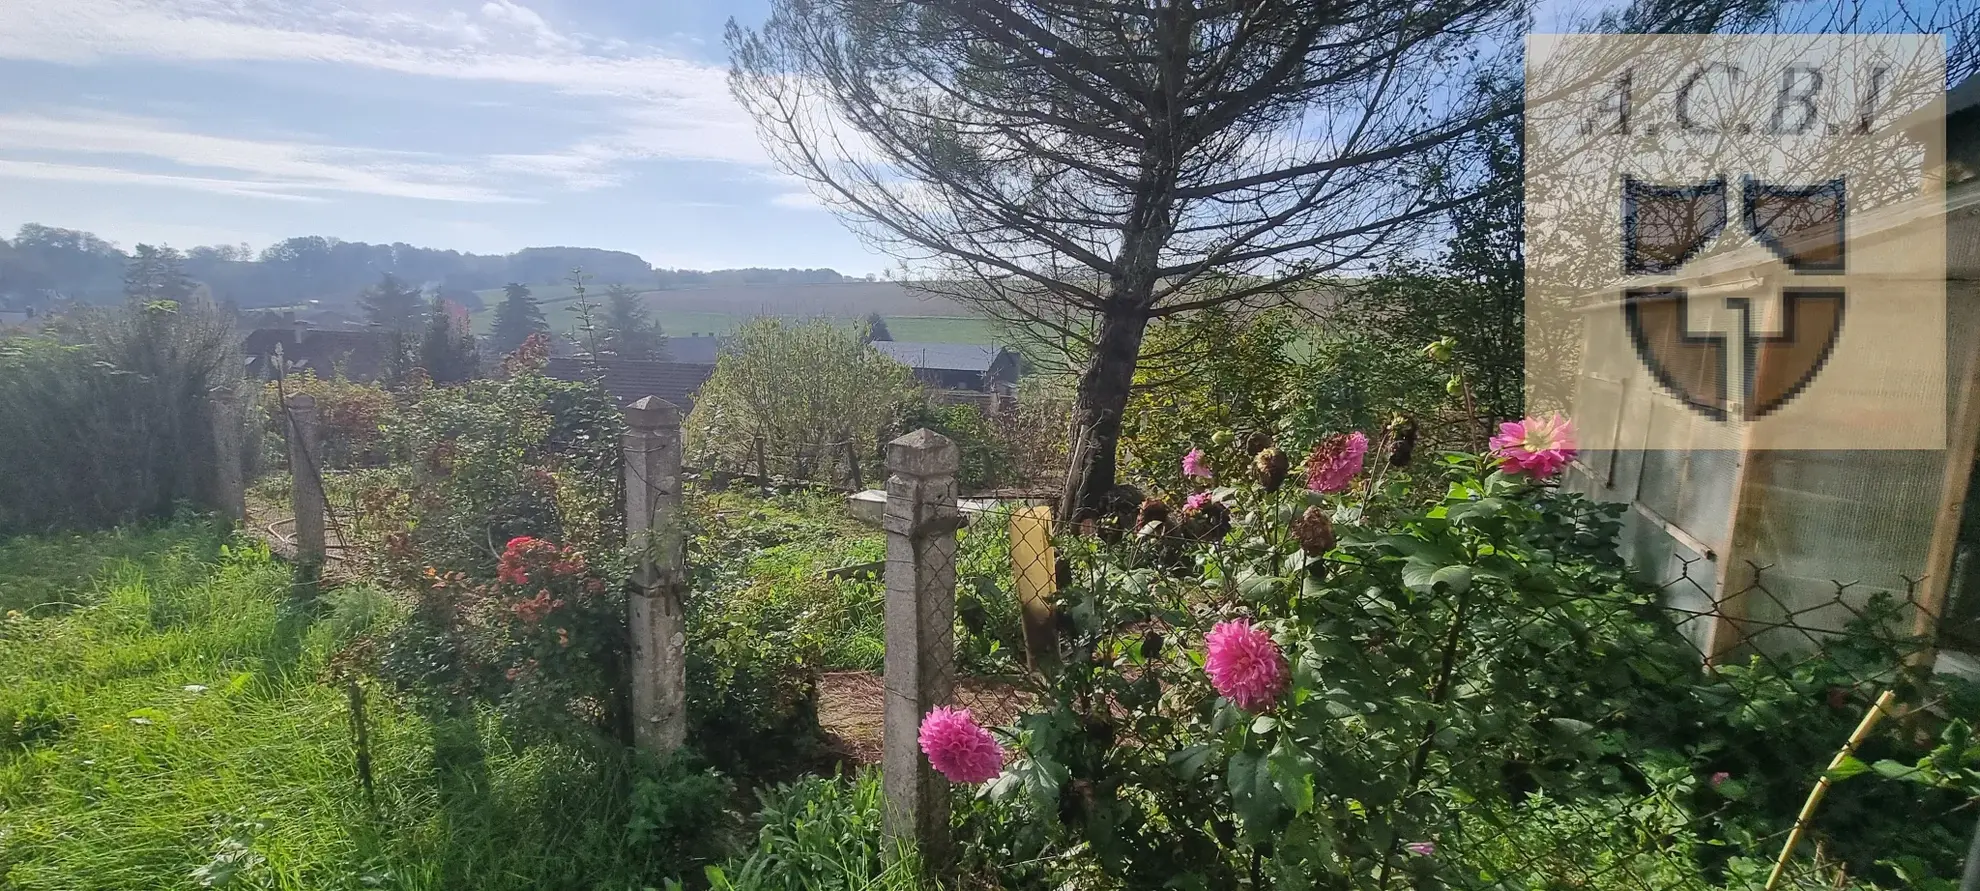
point(477, 125)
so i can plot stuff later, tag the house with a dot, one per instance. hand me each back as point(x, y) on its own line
point(958, 373)
point(631, 379)
point(1764, 547)
point(956, 366)
point(354, 355)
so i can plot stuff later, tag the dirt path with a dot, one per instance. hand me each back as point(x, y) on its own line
point(852, 708)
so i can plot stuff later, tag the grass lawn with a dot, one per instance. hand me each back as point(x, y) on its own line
point(166, 723)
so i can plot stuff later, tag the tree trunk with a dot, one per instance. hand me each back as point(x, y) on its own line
point(1103, 397)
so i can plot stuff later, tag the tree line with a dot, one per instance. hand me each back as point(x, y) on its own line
point(42, 265)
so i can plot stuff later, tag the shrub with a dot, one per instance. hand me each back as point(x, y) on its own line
point(112, 420)
point(511, 533)
point(803, 390)
point(1392, 702)
point(985, 459)
point(351, 418)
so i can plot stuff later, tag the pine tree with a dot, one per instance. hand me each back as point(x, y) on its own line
point(516, 318)
point(630, 333)
point(876, 328)
point(392, 305)
point(446, 349)
point(155, 274)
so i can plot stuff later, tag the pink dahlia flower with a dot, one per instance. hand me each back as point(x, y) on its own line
point(1196, 502)
point(1195, 464)
point(1537, 447)
point(1245, 665)
point(1335, 461)
point(1422, 848)
point(958, 748)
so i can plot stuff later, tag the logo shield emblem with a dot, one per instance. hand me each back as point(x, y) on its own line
point(1665, 226)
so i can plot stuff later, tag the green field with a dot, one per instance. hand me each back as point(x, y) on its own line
point(719, 311)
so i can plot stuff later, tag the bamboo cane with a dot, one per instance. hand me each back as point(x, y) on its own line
point(1863, 728)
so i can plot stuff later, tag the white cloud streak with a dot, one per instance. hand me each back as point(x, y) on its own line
point(656, 106)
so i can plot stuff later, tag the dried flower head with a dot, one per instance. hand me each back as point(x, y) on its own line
point(1403, 446)
point(1257, 441)
point(1271, 467)
point(1314, 531)
point(1335, 461)
point(1244, 665)
point(1154, 510)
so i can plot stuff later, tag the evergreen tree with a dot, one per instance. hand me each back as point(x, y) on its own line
point(446, 349)
point(876, 328)
point(516, 318)
point(630, 333)
point(156, 274)
point(392, 305)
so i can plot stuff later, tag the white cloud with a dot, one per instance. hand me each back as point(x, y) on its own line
point(656, 106)
point(80, 173)
point(276, 169)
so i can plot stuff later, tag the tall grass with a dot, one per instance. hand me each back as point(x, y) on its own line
point(171, 728)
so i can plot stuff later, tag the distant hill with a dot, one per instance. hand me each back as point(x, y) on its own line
point(41, 264)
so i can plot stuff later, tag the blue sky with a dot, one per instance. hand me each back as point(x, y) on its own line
point(479, 125)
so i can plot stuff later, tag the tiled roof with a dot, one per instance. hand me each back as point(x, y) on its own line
point(693, 350)
point(631, 379)
point(940, 356)
point(359, 355)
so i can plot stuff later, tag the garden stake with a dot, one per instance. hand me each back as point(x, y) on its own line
point(1863, 728)
point(363, 739)
point(1971, 882)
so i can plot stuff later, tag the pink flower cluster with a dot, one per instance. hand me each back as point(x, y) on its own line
point(958, 748)
point(1196, 464)
point(1196, 502)
point(1335, 461)
point(1245, 665)
point(1536, 447)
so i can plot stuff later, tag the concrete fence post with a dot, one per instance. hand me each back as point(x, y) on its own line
point(921, 523)
point(306, 480)
point(229, 414)
point(658, 538)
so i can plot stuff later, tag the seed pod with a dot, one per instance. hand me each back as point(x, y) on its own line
point(1151, 645)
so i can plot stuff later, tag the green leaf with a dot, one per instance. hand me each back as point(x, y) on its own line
point(1255, 586)
point(1189, 761)
point(1894, 770)
point(1292, 774)
point(1850, 766)
point(1457, 577)
point(1253, 794)
point(1264, 724)
point(1422, 575)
